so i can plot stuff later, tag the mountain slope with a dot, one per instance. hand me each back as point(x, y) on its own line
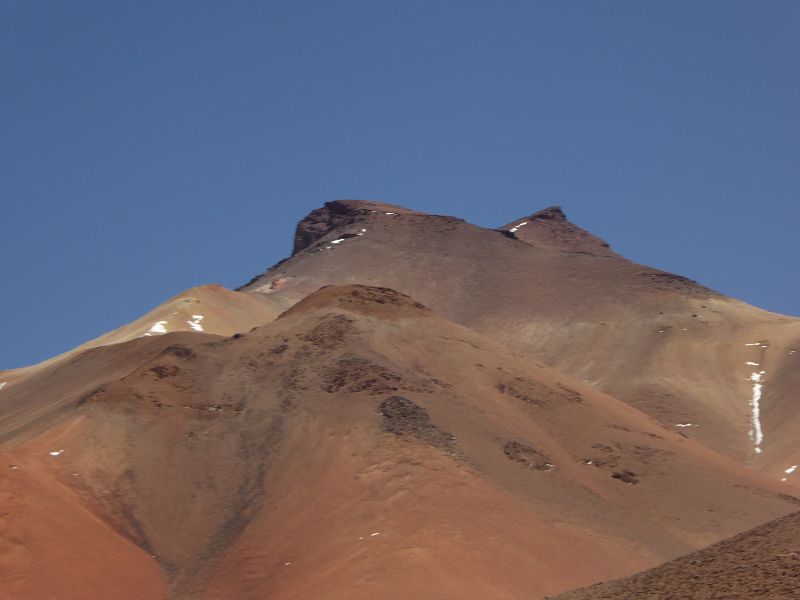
point(662, 343)
point(356, 446)
point(761, 563)
point(207, 308)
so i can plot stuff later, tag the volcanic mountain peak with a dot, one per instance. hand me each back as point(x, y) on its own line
point(555, 213)
point(550, 228)
point(336, 214)
point(362, 299)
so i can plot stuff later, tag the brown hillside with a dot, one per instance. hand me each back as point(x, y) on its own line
point(662, 343)
point(357, 446)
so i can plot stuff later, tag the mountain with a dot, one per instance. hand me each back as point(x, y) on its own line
point(408, 406)
point(357, 445)
point(761, 563)
point(206, 308)
point(723, 372)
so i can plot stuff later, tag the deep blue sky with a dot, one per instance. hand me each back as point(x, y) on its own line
point(146, 147)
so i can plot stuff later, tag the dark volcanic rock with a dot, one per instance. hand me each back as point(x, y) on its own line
point(626, 476)
point(334, 215)
point(528, 456)
point(403, 417)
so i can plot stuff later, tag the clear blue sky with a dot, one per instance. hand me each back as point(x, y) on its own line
point(146, 147)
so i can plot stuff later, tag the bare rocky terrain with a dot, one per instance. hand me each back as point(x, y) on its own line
point(541, 285)
point(761, 563)
point(409, 406)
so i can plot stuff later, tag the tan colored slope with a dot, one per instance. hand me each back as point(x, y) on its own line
point(658, 341)
point(37, 402)
point(207, 308)
point(489, 476)
point(761, 563)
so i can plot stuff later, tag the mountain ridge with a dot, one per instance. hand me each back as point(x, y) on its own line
point(353, 420)
point(562, 296)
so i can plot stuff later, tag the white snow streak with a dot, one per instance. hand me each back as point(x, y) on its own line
point(374, 534)
point(514, 229)
point(56, 452)
point(391, 213)
point(789, 471)
point(756, 434)
point(754, 344)
point(685, 425)
point(3, 384)
point(195, 322)
point(752, 364)
point(339, 241)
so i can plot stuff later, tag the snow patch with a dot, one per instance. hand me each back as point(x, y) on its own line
point(756, 433)
point(390, 213)
point(158, 327)
point(195, 322)
point(791, 469)
point(752, 364)
point(14, 467)
point(56, 452)
point(3, 384)
point(374, 534)
point(685, 425)
point(516, 227)
point(339, 241)
point(754, 344)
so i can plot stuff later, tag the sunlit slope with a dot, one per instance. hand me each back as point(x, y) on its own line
point(208, 308)
point(543, 286)
point(360, 445)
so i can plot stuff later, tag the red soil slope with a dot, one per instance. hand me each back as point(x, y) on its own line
point(357, 446)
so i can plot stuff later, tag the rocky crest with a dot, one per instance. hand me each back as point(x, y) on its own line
point(333, 215)
point(550, 228)
point(361, 299)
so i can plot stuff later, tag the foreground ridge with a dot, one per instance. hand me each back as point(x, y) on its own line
point(761, 563)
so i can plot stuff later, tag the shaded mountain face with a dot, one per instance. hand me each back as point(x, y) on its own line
point(761, 563)
point(720, 371)
point(358, 445)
